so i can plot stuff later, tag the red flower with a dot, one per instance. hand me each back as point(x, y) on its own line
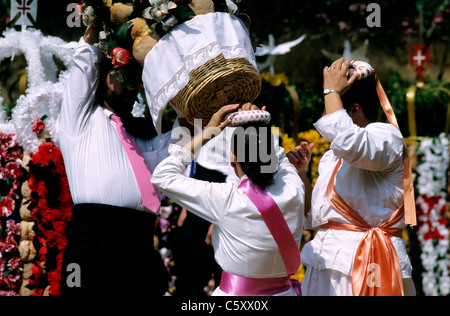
point(38, 126)
point(120, 57)
point(433, 234)
point(48, 151)
point(54, 278)
point(15, 264)
point(13, 228)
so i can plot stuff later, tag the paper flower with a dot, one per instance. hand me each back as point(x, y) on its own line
point(120, 57)
point(158, 10)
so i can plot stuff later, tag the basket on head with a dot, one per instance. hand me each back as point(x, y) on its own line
point(216, 83)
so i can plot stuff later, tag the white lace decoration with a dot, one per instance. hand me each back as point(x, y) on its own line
point(185, 48)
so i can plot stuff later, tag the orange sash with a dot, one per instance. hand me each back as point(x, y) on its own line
point(408, 183)
point(376, 269)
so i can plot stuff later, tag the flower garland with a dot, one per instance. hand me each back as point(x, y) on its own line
point(11, 178)
point(51, 209)
point(431, 206)
point(45, 89)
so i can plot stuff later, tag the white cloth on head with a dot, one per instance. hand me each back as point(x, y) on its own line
point(186, 47)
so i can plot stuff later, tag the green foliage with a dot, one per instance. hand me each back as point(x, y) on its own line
point(430, 105)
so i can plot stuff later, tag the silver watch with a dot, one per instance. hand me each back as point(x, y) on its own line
point(328, 91)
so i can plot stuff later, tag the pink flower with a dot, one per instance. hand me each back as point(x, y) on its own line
point(438, 18)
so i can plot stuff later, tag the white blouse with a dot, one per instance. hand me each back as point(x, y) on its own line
point(370, 180)
point(242, 242)
point(97, 166)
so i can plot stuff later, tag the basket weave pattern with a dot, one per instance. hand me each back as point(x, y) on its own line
point(216, 83)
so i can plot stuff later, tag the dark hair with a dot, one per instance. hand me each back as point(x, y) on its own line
point(254, 149)
point(141, 127)
point(365, 94)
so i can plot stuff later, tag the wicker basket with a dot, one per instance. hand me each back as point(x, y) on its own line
point(217, 83)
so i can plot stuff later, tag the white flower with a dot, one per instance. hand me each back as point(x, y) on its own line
point(158, 10)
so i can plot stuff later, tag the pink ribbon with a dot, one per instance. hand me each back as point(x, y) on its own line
point(149, 194)
point(274, 219)
point(241, 286)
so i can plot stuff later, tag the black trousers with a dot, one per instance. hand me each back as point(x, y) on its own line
point(194, 260)
point(110, 251)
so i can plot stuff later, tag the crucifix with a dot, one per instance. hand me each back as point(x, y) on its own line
point(418, 57)
point(24, 12)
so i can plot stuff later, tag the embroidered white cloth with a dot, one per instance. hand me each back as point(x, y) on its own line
point(185, 48)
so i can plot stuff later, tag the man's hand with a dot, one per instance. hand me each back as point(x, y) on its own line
point(91, 33)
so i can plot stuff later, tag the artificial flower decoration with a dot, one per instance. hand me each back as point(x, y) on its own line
point(120, 57)
point(87, 14)
point(51, 209)
point(431, 205)
point(38, 126)
point(232, 7)
point(12, 176)
point(158, 10)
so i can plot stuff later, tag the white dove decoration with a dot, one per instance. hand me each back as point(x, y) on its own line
point(272, 51)
point(357, 54)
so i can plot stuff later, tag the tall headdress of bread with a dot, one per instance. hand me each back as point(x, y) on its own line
point(195, 55)
point(364, 70)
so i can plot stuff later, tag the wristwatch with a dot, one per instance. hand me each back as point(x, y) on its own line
point(328, 91)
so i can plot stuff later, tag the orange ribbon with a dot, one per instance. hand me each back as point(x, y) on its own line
point(376, 269)
point(408, 184)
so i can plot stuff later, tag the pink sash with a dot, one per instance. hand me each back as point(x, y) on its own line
point(273, 218)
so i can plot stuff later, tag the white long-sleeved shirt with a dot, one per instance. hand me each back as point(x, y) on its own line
point(370, 180)
point(96, 163)
point(242, 242)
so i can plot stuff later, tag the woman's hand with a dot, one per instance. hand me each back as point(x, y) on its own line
point(335, 76)
point(215, 126)
point(300, 156)
point(250, 107)
point(218, 119)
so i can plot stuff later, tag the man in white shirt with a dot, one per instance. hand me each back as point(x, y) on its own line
point(110, 236)
point(369, 181)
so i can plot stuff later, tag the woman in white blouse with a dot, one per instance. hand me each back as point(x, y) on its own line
point(366, 162)
point(243, 245)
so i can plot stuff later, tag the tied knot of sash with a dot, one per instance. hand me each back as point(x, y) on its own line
point(376, 268)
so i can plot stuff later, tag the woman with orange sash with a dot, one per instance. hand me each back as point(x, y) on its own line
point(358, 200)
point(258, 223)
